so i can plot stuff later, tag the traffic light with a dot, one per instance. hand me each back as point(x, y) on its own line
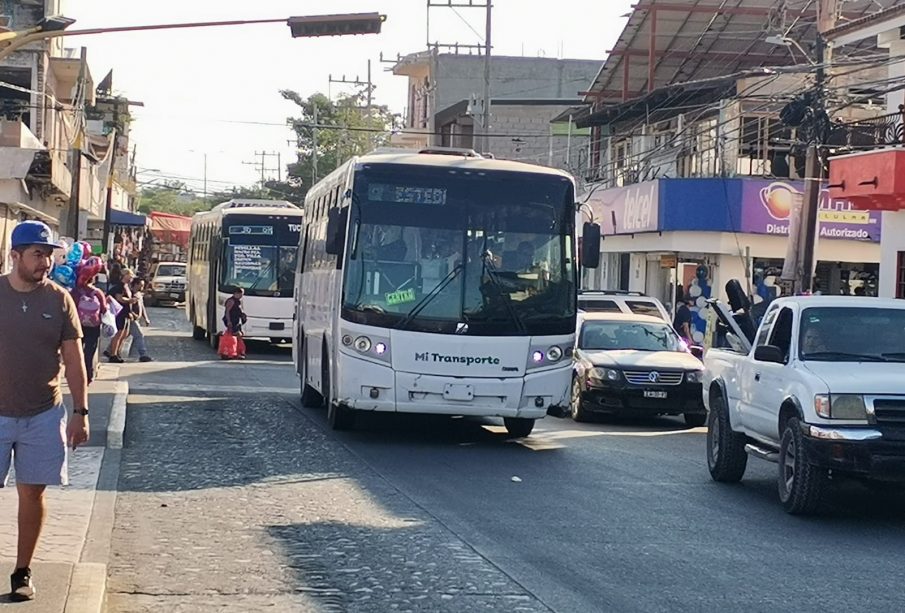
point(336, 25)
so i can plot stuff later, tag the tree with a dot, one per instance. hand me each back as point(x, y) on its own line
point(345, 128)
point(171, 197)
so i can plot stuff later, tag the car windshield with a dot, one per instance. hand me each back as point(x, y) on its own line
point(171, 270)
point(852, 334)
point(488, 254)
point(628, 335)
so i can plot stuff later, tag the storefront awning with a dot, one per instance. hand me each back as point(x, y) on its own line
point(125, 218)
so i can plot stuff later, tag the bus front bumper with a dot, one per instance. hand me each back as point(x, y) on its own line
point(375, 387)
point(268, 327)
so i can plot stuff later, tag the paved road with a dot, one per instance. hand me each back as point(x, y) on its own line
point(235, 498)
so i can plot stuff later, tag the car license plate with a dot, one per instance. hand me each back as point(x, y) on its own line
point(653, 394)
point(174, 295)
point(458, 392)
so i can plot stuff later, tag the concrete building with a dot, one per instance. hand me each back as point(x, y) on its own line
point(694, 174)
point(43, 104)
point(887, 29)
point(444, 98)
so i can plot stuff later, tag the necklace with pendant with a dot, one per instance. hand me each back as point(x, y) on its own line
point(24, 306)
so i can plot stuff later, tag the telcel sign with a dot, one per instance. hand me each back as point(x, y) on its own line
point(627, 210)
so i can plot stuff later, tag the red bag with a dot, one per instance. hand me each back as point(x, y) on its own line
point(231, 346)
point(228, 347)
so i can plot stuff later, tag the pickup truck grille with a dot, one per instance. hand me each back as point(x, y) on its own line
point(889, 411)
point(653, 377)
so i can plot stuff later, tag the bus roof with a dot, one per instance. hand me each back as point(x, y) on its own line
point(251, 207)
point(459, 162)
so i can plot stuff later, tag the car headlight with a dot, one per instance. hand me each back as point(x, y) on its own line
point(554, 354)
point(157, 286)
point(695, 376)
point(606, 374)
point(840, 406)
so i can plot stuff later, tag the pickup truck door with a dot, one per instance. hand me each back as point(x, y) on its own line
point(750, 374)
point(769, 381)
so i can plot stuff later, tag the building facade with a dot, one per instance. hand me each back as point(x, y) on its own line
point(527, 94)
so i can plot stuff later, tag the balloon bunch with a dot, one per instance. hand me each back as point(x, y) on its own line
point(74, 265)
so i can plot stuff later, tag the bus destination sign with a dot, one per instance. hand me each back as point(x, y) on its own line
point(251, 230)
point(406, 194)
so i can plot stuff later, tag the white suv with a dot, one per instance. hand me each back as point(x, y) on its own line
point(615, 301)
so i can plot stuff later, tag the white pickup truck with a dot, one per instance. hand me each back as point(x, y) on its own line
point(820, 391)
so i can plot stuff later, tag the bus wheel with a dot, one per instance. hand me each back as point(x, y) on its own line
point(338, 416)
point(198, 333)
point(519, 427)
point(310, 397)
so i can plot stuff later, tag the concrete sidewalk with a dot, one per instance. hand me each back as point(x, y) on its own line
point(70, 568)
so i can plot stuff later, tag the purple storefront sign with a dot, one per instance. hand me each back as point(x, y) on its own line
point(768, 205)
point(635, 208)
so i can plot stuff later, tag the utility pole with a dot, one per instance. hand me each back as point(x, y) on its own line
point(314, 147)
point(486, 112)
point(108, 205)
point(816, 157)
point(72, 218)
point(259, 165)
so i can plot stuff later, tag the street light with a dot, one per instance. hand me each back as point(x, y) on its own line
point(49, 24)
point(785, 41)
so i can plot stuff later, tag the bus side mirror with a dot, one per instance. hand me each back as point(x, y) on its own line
point(336, 230)
point(590, 245)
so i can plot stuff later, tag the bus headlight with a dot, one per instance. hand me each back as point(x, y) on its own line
point(363, 344)
point(380, 348)
point(347, 340)
point(554, 354)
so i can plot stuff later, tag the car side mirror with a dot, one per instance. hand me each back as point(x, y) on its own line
point(590, 245)
point(697, 351)
point(336, 231)
point(769, 353)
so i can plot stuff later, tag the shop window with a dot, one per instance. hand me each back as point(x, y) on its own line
point(900, 276)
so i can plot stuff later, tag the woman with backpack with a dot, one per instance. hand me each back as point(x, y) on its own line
point(91, 304)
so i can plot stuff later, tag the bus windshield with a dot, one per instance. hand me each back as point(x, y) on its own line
point(259, 259)
point(484, 254)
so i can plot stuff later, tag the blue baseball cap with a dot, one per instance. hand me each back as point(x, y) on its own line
point(33, 233)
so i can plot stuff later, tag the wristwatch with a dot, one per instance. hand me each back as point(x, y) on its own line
point(83, 412)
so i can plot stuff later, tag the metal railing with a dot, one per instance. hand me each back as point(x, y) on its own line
point(883, 131)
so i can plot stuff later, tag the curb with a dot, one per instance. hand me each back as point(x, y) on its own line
point(117, 423)
point(88, 582)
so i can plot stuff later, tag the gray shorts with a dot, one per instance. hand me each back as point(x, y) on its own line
point(38, 444)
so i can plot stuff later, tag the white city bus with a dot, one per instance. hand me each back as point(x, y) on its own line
point(252, 244)
point(437, 283)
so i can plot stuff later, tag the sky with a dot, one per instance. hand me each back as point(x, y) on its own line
point(214, 92)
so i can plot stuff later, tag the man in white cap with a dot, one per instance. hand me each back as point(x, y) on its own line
point(39, 325)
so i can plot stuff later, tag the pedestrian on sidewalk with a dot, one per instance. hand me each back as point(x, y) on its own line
point(232, 345)
point(121, 293)
point(141, 316)
point(39, 326)
point(91, 304)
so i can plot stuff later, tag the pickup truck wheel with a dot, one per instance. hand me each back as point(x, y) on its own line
point(576, 410)
point(519, 427)
point(801, 485)
point(726, 456)
point(695, 420)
